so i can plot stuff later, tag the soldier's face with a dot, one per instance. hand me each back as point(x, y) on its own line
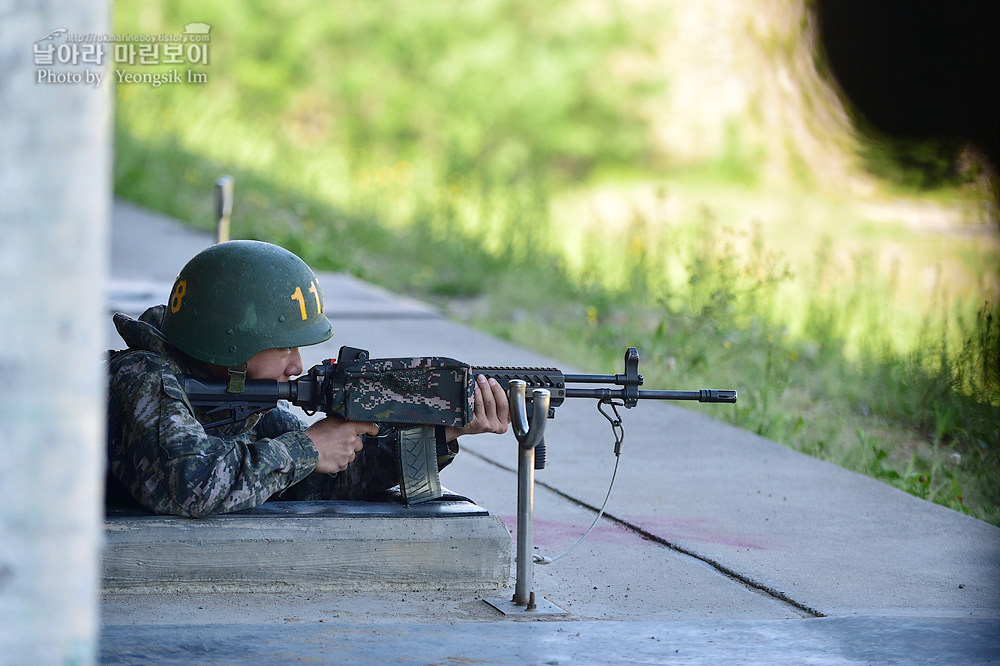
point(279, 364)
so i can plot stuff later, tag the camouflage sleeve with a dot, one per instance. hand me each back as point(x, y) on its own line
point(161, 453)
point(278, 421)
point(446, 451)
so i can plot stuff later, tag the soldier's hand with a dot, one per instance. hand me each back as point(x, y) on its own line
point(338, 442)
point(491, 412)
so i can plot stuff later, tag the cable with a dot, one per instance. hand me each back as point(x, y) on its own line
point(619, 432)
point(541, 559)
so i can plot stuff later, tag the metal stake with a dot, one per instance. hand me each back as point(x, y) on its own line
point(223, 207)
point(528, 437)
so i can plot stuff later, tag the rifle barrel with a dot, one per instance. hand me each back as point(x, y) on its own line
point(591, 379)
point(702, 395)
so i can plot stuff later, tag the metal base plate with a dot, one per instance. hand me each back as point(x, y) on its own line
point(542, 607)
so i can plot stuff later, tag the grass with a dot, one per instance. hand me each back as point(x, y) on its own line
point(493, 160)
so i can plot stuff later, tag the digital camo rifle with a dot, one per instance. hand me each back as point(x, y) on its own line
point(397, 393)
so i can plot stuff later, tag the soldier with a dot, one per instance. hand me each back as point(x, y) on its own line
point(241, 310)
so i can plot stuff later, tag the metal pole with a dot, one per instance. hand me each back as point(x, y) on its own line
point(223, 207)
point(525, 526)
point(527, 438)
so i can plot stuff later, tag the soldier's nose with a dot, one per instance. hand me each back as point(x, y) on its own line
point(294, 366)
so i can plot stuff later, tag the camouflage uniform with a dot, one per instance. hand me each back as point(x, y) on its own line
point(159, 452)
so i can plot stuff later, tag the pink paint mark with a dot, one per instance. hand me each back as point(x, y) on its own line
point(702, 530)
point(549, 533)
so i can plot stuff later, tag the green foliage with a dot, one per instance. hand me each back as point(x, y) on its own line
point(485, 94)
point(934, 480)
point(424, 146)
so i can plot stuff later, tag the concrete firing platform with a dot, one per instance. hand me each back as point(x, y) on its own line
point(336, 545)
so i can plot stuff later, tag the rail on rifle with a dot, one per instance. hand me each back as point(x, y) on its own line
point(555, 381)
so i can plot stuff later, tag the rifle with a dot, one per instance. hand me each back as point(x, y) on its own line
point(423, 391)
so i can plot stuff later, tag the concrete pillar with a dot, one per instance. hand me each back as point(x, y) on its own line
point(55, 196)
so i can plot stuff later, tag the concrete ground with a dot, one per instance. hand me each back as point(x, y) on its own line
point(718, 545)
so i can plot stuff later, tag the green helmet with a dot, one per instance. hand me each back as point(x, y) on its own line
point(237, 298)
